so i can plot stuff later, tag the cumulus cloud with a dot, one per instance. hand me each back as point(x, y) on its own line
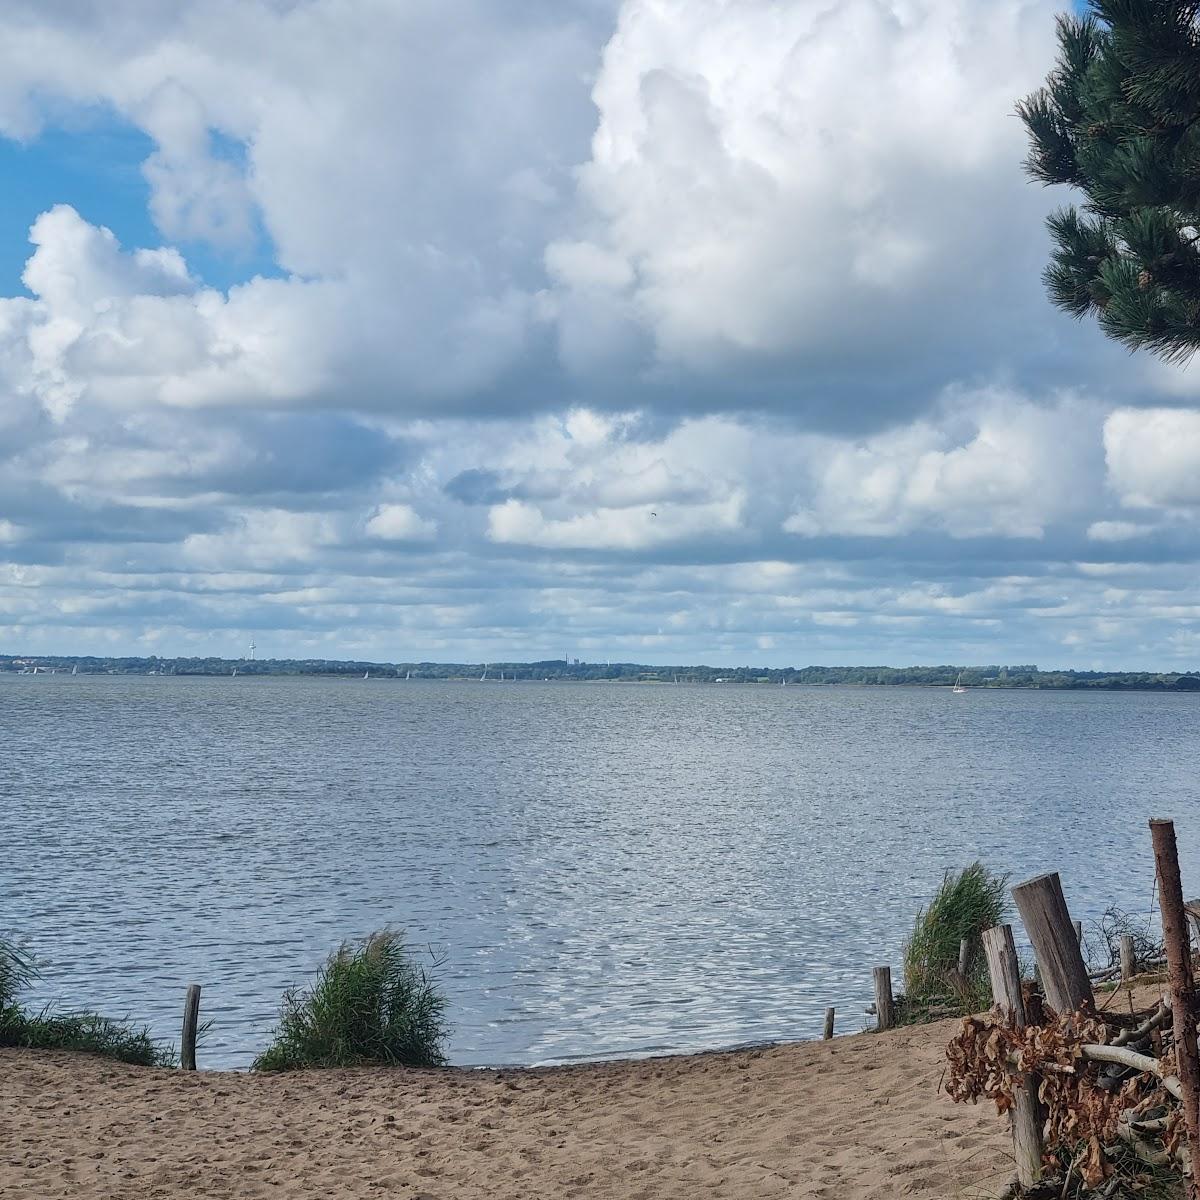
point(1154, 456)
point(1015, 468)
point(1117, 531)
point(627, 528)
point(785, 181)
point(400, 523)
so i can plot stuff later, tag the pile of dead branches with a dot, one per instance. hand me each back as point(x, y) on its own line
point(1106, 1084)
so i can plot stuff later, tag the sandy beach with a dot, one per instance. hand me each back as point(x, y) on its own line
point(858, 1118)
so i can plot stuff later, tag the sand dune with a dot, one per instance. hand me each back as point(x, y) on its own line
point(859, 1118)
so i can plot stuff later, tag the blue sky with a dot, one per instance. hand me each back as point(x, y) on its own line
point(658, 330)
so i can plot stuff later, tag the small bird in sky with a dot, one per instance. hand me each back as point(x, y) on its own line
point(653, 514)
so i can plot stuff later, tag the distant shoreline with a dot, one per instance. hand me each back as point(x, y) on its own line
point(992, 677)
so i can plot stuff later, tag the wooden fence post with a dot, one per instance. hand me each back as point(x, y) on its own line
point(1048, 923)
point(1127, 961)
point(191, 1017)
point(1078, 931)
point(1005, 974)
point(885, 1009)
point(829, 1012)
point(964, 959)
point(1183, 986)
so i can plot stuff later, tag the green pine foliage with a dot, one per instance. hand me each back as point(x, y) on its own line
point(1119, 120)
point(371, 1004)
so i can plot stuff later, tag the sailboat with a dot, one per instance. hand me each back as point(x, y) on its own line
point(958, 687)
point(407, 674)
point(366, 674)
point(75, 670)
point(484, 675)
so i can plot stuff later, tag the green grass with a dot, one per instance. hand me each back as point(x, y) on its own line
point(965, 905)
point(87, 1032)
point(370, 1004)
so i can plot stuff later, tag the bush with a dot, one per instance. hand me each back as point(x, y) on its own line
point(1102, 939)
point(370, 1004)
point(83, 1031)
point(965, 905)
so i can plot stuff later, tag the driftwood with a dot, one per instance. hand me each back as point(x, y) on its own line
point(1138, 1062)
point(1156, 1020)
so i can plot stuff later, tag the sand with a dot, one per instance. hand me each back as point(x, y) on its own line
point(856, 1118)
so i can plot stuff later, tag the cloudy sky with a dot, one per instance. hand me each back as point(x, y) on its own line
point(664, 330)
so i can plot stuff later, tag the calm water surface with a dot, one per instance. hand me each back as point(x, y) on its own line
point(608, 869)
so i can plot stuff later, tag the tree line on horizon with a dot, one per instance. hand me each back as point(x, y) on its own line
point(945, 675)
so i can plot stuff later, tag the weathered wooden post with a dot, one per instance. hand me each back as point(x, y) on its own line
point(1127, 963)
point(829, 1013)
point(1048, 923)
point(1078, 931)
point(1183, 985)
point(1005, 974)
point(964, 959)
point(885, 1007)
point(191, 1017)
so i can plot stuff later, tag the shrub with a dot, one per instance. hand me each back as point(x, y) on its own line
point(84, 1031)
point(965, 905)
point(371, 1003)
point(1102, 939)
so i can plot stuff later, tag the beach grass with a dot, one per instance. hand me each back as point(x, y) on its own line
point(967, 903)
point(371, 1003)
point(83, 1031)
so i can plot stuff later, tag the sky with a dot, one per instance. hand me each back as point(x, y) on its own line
point(644, 330)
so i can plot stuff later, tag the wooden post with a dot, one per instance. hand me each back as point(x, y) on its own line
point(1005, 974)
point(191, 1016)
point(1183, 986)
point(1048, 923)
point(964, 958)
point(829, 1023)
point(1078, 931)
point(1127, 964)
point(885, 1009)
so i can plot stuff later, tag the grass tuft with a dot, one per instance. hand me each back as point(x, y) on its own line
point(370, 1004)
point(965, 905)
point(87, 1032)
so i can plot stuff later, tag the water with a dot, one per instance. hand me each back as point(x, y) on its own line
point(608, 869)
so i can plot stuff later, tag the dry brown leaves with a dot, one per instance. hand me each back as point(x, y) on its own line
point(988, 1058)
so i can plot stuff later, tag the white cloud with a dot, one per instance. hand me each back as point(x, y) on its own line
point(1015, 468)
point(264, 539)
point(405, 162)
point(612, 528)
point(776, 179)
point(1117, 531)
point(400, 523)
point(1154, 456)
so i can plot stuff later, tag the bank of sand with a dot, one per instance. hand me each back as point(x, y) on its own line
point(859, 1117)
